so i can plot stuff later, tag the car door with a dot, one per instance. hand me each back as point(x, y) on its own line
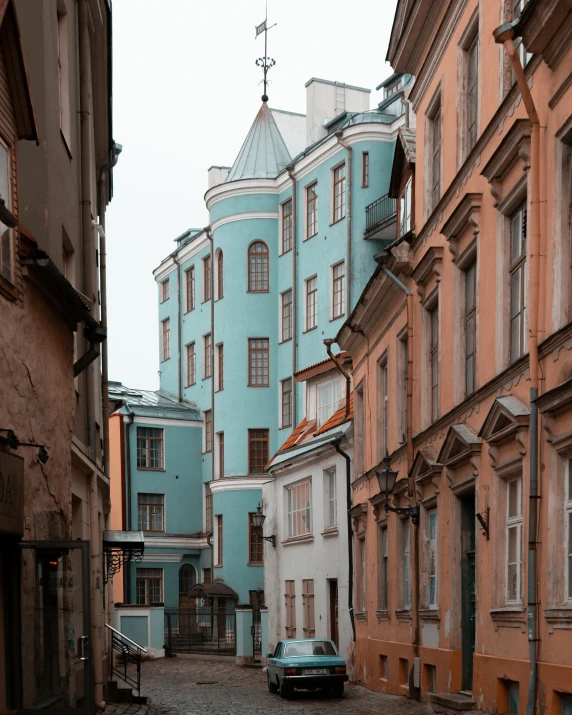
point(273, 662)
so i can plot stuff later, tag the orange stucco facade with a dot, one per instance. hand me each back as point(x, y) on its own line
point(443, 606)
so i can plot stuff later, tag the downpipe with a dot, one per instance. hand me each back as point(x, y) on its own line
point(290, 170)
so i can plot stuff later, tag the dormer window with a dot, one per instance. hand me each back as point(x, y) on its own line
point(328, 400)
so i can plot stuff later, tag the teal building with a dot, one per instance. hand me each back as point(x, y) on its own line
point(246, 302)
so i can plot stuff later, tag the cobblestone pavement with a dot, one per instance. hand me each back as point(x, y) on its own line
point(180, 686)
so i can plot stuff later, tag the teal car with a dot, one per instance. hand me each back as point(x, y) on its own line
point(306, 664)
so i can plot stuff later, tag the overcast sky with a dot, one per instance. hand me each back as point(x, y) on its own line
point(185, 92)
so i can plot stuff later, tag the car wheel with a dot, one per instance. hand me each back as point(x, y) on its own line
point(283, 690)
point(272, 687)
point(338, 690)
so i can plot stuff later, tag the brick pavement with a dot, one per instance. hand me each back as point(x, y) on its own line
point(179, 686)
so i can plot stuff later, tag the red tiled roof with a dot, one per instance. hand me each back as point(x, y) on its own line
point(342, 356)
point(338, 418)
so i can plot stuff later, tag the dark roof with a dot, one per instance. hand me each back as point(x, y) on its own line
point(217, 588)
point(151, 403)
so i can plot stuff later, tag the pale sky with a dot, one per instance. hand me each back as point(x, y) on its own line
point(185, 92)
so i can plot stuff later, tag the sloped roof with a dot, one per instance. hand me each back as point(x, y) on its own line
point(264, 153)
point(148, 403)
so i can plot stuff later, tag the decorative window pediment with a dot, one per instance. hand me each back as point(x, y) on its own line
point(428, 270)
point(460, 444)
point(466, 215)
point(425, 465)
point(515, 145)
point(506, 417)
point(359, 513)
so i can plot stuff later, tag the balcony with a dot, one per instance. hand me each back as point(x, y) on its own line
point(380, 218)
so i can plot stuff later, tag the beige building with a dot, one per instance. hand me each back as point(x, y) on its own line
point(54, 486)
point(462, 370)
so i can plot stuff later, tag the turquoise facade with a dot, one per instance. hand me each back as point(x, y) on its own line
point(242, 211)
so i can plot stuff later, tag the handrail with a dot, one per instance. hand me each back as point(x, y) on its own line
point(379, 211)
point(111, 628)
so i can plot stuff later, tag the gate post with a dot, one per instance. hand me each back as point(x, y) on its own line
point(264, 645)
point(244, 639)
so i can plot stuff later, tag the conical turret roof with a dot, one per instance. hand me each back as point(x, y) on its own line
point(263, 154)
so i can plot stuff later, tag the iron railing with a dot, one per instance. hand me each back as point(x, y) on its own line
point(201, 629)
point(126, 664)
point(381, 211)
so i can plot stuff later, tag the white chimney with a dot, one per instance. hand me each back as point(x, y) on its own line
point(217, 175)
point(326, 100)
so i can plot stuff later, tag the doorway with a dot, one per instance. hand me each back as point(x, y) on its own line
point(333, 594)
point(468, 588)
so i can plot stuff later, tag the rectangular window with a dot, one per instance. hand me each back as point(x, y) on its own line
point(300, 508)
point(513, 540)
point(287, 226)
point(165, 290)
point(328, 400)
point(568, 529)
point(150, 509)
point(191, 365)
point(518, 281)
point(339, 193)
point(219, 545)
point(403, 371)
point(383, 555)
point(405, 208)
point(208, 430)
point(190, 289)
point(311, 303)
point(286, 400)
point(255, 542)
point(258, 448)
point(365, 169)
point(436, 158)
point(472, 60)
point(312, 210)
point(383, 406)
point(220, 366)
point(207, 279)
point(207, 576)
point(63, 75)
point(361, 575)
point(208, 509)
point(331, 500)
point(470, 326)
point(258, 362)
point(405, 565)
point(434, 360)
point(149, 586)
point(432, 539)
point(166, 333)
point(290, 598)
point(207, 356)
point(286, 315)
point(220, 455)
point(6, 234)
point(308, 608)
point(149, 448)
point(338, 290)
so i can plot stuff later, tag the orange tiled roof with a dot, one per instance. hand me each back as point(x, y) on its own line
point(338, 418)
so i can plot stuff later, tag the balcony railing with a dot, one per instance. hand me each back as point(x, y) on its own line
point(379, 213)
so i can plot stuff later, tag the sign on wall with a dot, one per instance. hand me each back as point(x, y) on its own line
point(11, 494)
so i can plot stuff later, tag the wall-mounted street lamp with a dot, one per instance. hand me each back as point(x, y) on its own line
point(13, 442)
point(386, 478)
point(258, 521)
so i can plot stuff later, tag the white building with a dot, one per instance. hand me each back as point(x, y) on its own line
point(306, 576)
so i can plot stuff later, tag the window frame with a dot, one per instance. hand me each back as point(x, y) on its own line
point(514, 523)
point(290, 604)
point(568, 530)
point(255, 543)
point(207, 278)
point(330, 502)
point(148, 448)
point(518, 266)
point(433, 561)
point(338, 309)
point(286, 314)
point(165, 289)
point(220, 367)
point(191, 359)
point(405, 529)
point(209, 431)
point(361, 580)
point(286, 403)
point(219, 540)
point(265, 271)
point(383, 402)
point(287, 225)
point(338, 196)
point(365, 169)
point(433, 354)
point(406, 208)
point(166, 339)
point(472, 92)
point(149, 510)
point(335, 403)
point(207, 356)
point(382, 567)
point(308, 295)
point(470, 317)
point(220, 454)
point(220, 274)
point(312, 210)
point(264, 368)
point(208, 510)
point(308, 608)
point(8, 284)
point(147, 578)
point(252, 440)
point(292, 498)
point(189, 289)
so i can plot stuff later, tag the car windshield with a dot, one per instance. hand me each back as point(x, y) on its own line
point(302, 648)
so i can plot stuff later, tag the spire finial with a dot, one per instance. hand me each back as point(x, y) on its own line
point(265, 62)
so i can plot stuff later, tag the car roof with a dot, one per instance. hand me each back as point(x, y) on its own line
point(307, 640)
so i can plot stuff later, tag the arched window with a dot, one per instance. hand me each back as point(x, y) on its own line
point(220, 276)
point(258, 281)
point(187, 578)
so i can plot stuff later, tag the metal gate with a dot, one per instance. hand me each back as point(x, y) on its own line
point(201, 629)
point(256, 634)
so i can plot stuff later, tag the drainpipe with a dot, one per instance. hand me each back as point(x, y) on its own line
point(176, 262)
point(410, 485)
point(86, 208)
point(105, 169)
point(340, 451)
point(505, 35)
point(328, 343)
point(128, 421)
point(210, 238)
point(348, 148)
point(290, 170)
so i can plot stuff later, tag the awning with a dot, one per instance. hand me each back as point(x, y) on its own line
point(210, 590)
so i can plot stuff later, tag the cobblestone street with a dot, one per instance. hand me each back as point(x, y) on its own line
point(191, 687)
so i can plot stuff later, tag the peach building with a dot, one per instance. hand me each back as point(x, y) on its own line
point(462, 369)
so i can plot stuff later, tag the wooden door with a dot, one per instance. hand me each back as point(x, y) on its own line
point(333, 583)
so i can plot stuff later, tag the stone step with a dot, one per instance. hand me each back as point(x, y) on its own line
point(453, 703)
point(120, 692)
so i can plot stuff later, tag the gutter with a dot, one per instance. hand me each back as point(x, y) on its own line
point(180, 383)
point(347, 147)
point(210, 238)
point(128, 421)
point(290, 169)
point(505, 35)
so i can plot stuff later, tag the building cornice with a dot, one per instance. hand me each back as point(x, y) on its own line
point(176, 542)
point(183, 254)
point(234, 484)
point(244, 217)
point(166, 422)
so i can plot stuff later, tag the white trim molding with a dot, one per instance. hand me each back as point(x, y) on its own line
point(177, 542)
point(243, 217)
point(240, 484)
point(162, 558)
point(165, 422)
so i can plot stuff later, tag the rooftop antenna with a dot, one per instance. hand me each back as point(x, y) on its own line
point(265, 62)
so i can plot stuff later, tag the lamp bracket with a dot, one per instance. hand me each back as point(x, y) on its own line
point(410, 511)
point(483, 518)
point(271, 539)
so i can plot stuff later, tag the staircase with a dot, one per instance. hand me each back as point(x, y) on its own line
point(126, 656)
point(453, 703)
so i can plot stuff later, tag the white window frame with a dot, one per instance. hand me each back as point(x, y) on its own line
point(306, 284)
point(342, 301)
point(514, 523)
point(433, 561)
point(405, 208)
point(291, 510)
point(335, 403)
point(330, 499)
point(343, 194)
point(568, 530)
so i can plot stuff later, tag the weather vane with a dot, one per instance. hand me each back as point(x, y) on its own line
point(265, 62)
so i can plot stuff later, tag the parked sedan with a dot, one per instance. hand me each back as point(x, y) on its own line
point(309, 664)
